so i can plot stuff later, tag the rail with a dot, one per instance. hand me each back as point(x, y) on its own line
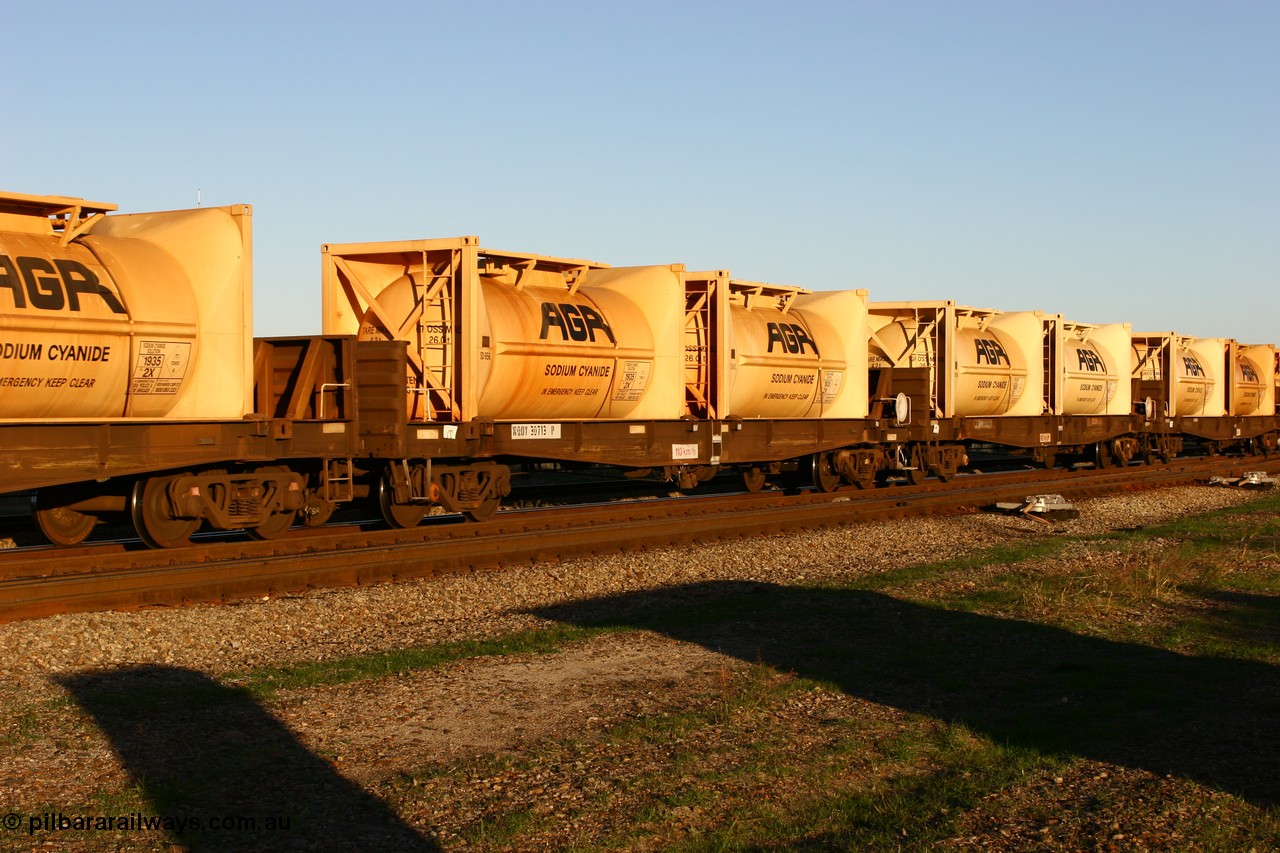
point(43, 582)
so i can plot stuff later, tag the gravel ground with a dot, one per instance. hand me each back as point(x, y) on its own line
point(372, 737)
point(327, 624)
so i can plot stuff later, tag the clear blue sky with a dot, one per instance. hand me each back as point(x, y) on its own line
point(1113, 161)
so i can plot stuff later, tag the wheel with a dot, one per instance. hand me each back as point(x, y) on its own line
point(60, 524)
point(274, 526)
point(825, 478)
point(484, 511)
point(753, 479)
point(1102, 455)
point(917, 472)
point(397, 515)
point(153, 518)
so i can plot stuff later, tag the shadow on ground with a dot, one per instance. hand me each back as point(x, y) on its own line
point(209, 756)
point(1211, 720)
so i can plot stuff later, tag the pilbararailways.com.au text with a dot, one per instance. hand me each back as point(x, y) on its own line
point(139, 822)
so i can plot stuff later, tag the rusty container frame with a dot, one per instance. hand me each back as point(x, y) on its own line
point(937, 322)
point(1161, 347)
point(707, 319)
point(353, 274)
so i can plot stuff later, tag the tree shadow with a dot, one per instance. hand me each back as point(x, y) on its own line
point(1211, 720)
point(214, 762)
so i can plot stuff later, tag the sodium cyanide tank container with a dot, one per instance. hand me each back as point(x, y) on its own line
point(991, 372)
point(610, 348)
point(792, 352)
point(981, 362)
point(1186, 368)
point(101, 316)
point(1252, 385)
point(1089, 382)
point(515, 337)
point(1094, 368)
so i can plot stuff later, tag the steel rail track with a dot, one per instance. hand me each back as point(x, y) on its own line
point(43, 582)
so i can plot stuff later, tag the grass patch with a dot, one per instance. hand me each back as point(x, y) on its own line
point(264, 681)
point(21, 726)
point(998, 555)
point(499, 830)
point(906, 812)
point(164, 686)
point(1204, 585)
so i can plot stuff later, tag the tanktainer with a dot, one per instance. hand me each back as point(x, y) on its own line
point(1182, 375)
point(1091, 366)
point(1252, 390)
point(979, 362)
point(137, 316)
point(131, 385)
point(756, 350)
point(507, 336)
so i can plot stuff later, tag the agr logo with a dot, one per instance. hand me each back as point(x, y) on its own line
point(791, 337)
point(52, 285)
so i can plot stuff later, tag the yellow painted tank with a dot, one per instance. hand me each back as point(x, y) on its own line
point(540, 338)
point(1088, 381)
point(995, 366)
point(1252, 389)
point(600, 352)
point(123, 316)
point(991, 371)
point(1093, 361)
point(795, 354)
point(838, 319)
point(1196, 386)
point(1187, 367)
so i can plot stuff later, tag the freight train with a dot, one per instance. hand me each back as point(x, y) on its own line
point(131, 384)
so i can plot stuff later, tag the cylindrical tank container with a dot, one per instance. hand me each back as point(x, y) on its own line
point(792, 353)
point(983, 362)
point(1201, 365)
point(123, 316)
point(839, 317)
point(1252, 390)
point(1094, 363)
point(1187, 369)
point(991, 370)
point(507, 336)
point(603, 351)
